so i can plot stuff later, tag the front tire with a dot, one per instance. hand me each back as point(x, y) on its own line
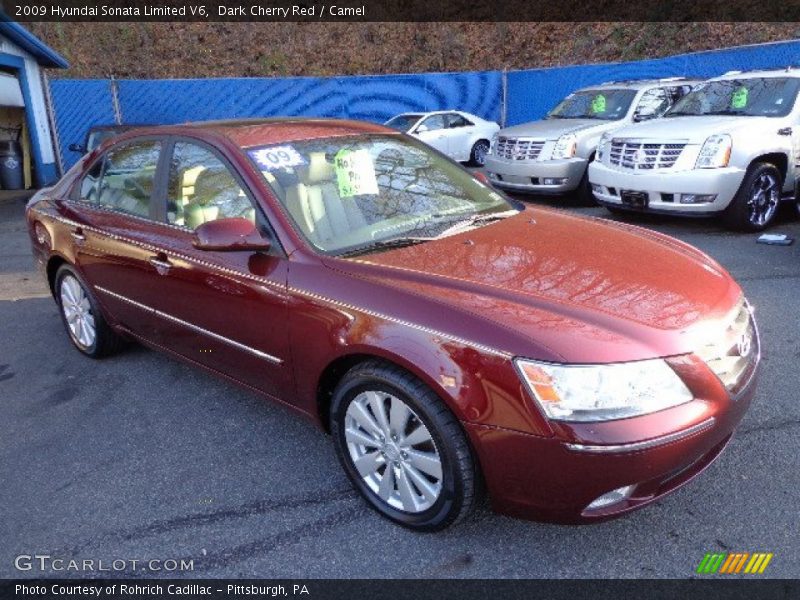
point(402, 448)
point(756, 203)
point(477, 155)
point(80, 313)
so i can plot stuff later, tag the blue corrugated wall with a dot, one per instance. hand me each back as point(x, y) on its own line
point(79, 104)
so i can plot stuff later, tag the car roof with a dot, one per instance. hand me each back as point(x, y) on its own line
point(640, 84)
point(260, 132)
point(784, 72)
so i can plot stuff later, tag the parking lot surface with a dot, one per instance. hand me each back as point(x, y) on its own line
point(142, 457)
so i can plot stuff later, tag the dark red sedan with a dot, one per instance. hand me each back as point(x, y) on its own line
point(449, 338)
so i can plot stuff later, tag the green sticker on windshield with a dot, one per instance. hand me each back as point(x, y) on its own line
point(599, 104)
point(739, 98)
point(355, 173)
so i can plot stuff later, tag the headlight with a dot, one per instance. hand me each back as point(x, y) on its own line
point(565, 146)
point(603, 392)
point(715, 153)
point(602, 145)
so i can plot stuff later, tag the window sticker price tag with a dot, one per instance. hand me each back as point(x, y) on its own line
point(599, 104)
point(739, 98)
point(277, 157)
point(355, 173)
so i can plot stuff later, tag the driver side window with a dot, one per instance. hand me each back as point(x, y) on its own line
point(123, 179)
point(432, 123)
point(202, 189)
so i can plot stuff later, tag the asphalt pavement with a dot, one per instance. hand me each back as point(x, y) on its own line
point(140, 457)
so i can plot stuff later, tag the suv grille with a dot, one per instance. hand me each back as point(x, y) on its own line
point(735, 355)
point(518, 148)
point(631, 154)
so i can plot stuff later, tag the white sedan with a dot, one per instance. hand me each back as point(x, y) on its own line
point(461, 136)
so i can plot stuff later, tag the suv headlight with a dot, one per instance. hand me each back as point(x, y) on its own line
point(565, 146)
point(603, 392)
point(602, 145)
point(715, 153)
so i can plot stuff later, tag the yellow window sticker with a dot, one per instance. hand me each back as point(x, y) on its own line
point(739, 98)
point(599, 104)
point(355, 173)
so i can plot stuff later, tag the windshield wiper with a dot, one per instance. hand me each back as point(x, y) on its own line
point(398, 242)
point(727, 112)
point(475, 220)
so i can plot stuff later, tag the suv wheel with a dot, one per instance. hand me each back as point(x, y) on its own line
point(85, 324)
point(755, 204)
point(402, 448)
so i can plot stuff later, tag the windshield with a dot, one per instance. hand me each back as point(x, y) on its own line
point(365, 192)
point(753, 97)
point(402, 122)
point(607, 105)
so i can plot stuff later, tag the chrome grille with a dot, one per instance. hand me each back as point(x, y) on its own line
point(734, 355)
point(632, 154)
point(518, 148)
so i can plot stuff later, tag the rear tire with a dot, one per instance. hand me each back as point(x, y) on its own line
point(402, 448)
point(80, 313)
point(754, 206)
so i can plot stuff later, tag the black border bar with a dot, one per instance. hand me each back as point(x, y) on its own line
point(774, 11)
point(722, 587)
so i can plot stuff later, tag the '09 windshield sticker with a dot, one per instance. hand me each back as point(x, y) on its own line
point(277, 157)
point(355, 173)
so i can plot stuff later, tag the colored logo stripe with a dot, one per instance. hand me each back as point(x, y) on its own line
point(734, 563)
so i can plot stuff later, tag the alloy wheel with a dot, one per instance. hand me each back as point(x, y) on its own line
point(78, 312)
point(393, 451)
point(764, 199)
point(480, 152)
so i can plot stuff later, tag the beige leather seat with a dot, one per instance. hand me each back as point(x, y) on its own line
point(211, 189)
point(316, 206)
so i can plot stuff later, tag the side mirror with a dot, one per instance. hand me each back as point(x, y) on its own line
point(229, 235)
point(639, 117)
point(77, 148)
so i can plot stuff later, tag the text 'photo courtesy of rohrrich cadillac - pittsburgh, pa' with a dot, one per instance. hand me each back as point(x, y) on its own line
point(360, 300)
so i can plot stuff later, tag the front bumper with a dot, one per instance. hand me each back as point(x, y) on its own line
point(664, 188)
point(529, 176)
point(556, 478)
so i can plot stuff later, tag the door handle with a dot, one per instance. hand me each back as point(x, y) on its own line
point(78, 236)
point(161, 264)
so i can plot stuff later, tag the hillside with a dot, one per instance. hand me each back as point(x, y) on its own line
point(158, 50)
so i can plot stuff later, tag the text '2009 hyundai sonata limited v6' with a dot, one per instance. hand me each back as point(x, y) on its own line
point(451, 339)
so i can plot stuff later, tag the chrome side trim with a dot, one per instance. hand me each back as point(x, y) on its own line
point(192, 326)
point(659, 441)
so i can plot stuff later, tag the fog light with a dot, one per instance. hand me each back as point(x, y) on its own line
point(612, 497)
point(697, 198)
point(554, 180)
point(597, 189)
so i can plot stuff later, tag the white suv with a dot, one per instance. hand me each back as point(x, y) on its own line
point(550, 156)
point(728, 148)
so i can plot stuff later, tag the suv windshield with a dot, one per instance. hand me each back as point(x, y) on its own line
point(402, 122)
point(608, 105)
point(752, 97)
point(367, 192)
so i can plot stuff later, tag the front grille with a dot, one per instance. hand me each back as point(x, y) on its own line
point(518, 148)
point(631, 154)
point(734, 354)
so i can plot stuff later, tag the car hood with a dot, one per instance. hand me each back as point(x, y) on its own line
point(551, 129)
point(554, 286)
point(695, 130)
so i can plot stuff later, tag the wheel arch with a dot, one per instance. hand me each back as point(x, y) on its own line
point(778, 159)
point(54, 263)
